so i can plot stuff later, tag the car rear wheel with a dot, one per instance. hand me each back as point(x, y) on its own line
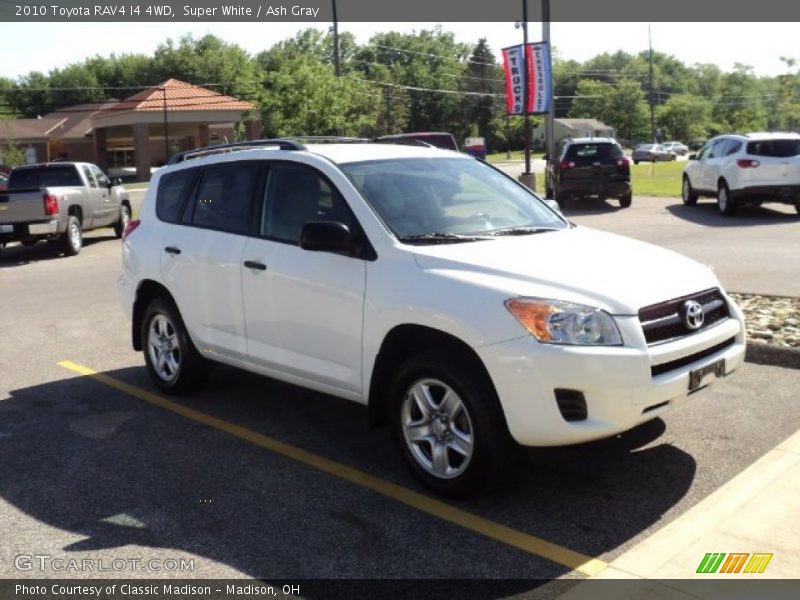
point(626, 200)
point(173, 363)
point(560, 199)
point(688, 195)
point(72, 239)
point(447, 424)
point(797, 208)
point(726, 206)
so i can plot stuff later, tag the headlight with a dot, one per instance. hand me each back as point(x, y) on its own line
point(557, 322)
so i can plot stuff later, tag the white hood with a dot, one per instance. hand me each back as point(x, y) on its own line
point(618, 274)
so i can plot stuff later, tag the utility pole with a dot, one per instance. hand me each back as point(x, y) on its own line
point(550, 118)
point(652, 92)
point(336, 61)
point(527, 123)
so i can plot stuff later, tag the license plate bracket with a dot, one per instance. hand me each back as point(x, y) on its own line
point(698, 377)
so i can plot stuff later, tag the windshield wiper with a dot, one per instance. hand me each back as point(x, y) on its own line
point(441, 238)
point(522, 230)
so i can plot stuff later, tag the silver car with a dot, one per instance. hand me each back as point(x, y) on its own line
point(651, 153)
point(676, 147)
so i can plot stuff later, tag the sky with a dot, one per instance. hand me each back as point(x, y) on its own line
point(43, 46)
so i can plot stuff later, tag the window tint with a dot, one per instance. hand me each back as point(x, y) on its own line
point(224, 197)
point(594, 151)
point(172, 189)
point(296, 195)
point(777, 148)
point(733, 147)
point(87, 172)
point(718, 149)
point(50, 176)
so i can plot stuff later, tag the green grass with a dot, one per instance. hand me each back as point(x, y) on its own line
point(499, 157)
point(657, 179)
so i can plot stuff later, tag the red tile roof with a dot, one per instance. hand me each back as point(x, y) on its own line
point(181, 96)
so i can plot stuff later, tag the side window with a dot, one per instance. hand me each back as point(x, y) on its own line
point(718, 149)
point(733, 147)
point(101, 178)
point(295, 195)
point(705, 151)
point(172, 190)
point(87, 172)
point(224, 197)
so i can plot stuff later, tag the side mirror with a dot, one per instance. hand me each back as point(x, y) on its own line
point(326, 236)
point(116, 181)
point(693, 157)
point(554, 205)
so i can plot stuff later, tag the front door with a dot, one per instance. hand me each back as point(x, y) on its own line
point(304, 310)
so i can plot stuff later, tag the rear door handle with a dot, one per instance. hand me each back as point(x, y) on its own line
point(251, 264)
point(172, 250)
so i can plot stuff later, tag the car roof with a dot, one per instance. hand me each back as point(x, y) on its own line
point(349, 153)
point(760, 136)
point(591, 140)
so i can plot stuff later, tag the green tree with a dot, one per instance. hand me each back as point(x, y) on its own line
point(684, 117)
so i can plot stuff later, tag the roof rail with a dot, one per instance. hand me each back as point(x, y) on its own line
point(333, 139)
point(282, 143)
point(403, 142)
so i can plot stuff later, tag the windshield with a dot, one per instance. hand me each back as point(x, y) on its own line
point(448, 197)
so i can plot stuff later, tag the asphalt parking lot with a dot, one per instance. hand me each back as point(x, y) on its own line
point(255, 478)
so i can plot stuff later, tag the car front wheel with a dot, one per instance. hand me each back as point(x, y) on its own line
point(688, 195)
point(447, 424)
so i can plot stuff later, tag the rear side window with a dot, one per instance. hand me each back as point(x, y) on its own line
point(594, 151)
point(172, 189)
point(51, 176)
point(224, 197)
point(89, 178)
point(777, 148)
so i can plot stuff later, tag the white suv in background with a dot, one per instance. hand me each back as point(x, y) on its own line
point(455, 304)
point(745, 169)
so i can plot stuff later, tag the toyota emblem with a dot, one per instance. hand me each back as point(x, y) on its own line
point(693, 314)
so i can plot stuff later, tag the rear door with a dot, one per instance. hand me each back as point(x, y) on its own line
point(595, 163)
point(201, 258)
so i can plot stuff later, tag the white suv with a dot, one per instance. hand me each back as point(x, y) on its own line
point(463, 310)
point(745, 169)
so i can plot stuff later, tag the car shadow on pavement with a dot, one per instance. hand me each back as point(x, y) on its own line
point(95, 462)
point(591, 206)
point(707, 213)
point(17, 255)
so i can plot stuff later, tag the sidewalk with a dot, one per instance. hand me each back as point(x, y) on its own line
point(756, 512)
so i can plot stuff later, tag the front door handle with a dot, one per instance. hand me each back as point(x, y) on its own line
point(251, 264)
point(172, 250)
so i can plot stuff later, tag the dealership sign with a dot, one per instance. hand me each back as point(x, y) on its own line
point(527, 67)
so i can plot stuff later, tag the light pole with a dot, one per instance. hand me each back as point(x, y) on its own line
point(336, 62)
point(527, 119)
point(166, 127)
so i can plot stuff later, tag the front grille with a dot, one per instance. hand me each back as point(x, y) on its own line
point(667, 320)
point(687, 360)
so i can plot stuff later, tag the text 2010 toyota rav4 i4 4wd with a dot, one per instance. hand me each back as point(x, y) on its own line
point(462, 309)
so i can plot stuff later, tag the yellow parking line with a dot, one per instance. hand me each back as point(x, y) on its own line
point(506, 535)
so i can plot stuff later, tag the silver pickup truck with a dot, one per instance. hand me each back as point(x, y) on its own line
point(58, 202)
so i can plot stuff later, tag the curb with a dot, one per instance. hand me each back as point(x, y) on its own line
point(776, 356)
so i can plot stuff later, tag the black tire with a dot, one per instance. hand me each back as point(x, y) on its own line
point(726, 205)
point(626, 200)
point(187, 368)
point(560, 199)
point(548, 192)
point(124, 218)
point(479, 413)
point(29, 242)
point(688, 195)
point(636, 162)
point(72, 238)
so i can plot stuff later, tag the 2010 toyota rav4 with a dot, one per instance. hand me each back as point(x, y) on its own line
point(458, 306)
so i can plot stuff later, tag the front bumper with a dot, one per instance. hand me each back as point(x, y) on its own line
point(617, 383)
